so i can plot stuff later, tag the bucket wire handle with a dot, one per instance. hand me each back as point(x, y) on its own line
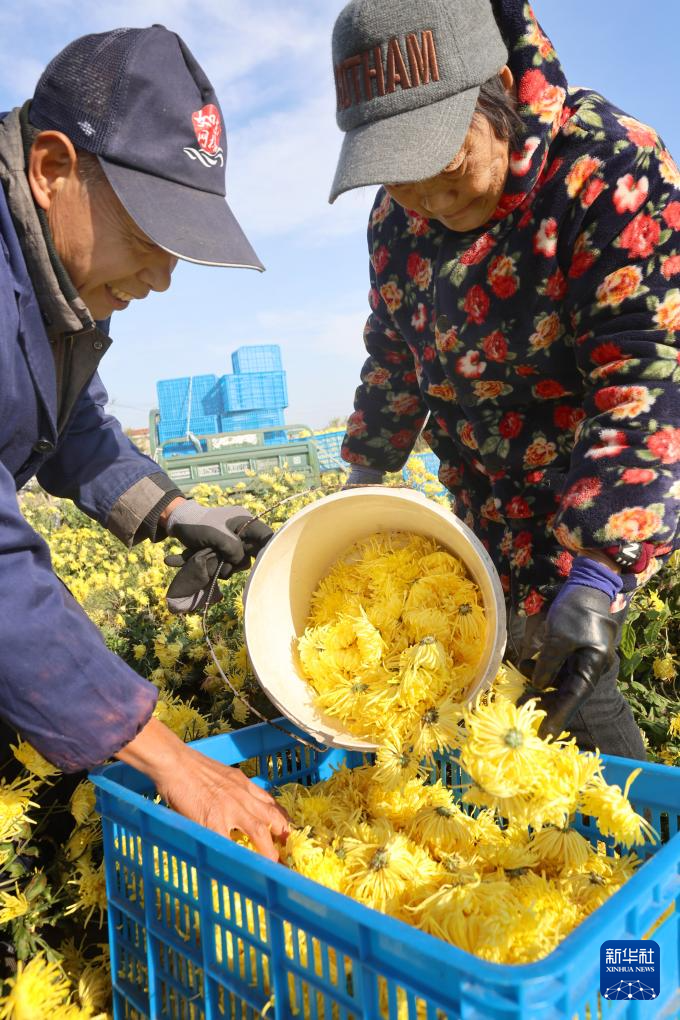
point(225, 678)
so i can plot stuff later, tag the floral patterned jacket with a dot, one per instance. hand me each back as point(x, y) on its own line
point(541, 353)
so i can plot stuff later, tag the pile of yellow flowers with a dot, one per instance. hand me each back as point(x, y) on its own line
point(396, 631)
point(503, 892)
point(395, 637)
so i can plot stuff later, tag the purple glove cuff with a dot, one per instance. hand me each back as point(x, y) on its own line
point(593, 574)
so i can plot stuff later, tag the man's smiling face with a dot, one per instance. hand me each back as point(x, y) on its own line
point(108, 258)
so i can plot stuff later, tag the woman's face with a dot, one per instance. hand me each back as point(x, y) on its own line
point(467, 191)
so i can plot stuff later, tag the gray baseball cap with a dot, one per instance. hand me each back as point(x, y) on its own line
point(407, 77)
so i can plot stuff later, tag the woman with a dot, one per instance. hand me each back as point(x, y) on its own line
point(525, 295)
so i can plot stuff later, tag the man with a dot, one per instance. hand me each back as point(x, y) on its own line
point(110, 174)
point(525, 308)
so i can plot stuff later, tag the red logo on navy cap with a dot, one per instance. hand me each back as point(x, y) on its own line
point(207, 128)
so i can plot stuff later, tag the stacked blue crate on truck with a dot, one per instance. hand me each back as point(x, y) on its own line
point(186, 405)
point(257, 358)
point(256, 394)
point(253, 391)
point(254, 397)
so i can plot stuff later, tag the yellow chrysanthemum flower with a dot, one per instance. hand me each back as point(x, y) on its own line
point(83, 802)
point(15, 803)
point(380, 867)
point(395, 764)
point(33, 761)
point(94, 988)
point(561, 848)
point(389, 648)
point(664, 668)
point(91, 891)
point(38, 989)
point(615, 814)
point(12, 906)
point(674, 725)
point(181, 717)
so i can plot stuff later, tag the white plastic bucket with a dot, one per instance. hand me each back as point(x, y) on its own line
point(288, 570)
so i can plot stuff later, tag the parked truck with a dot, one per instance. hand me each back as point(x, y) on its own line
point(231, 459)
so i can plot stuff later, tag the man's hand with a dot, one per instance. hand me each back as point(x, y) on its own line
point(578, 646)
point(230, 534)
point(207, 792)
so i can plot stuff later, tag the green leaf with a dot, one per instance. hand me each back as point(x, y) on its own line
point(656, 731)
point(652, 631)
point(627, 646)
point(631, 664)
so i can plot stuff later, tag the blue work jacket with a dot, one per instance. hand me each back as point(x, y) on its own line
point(60, 687)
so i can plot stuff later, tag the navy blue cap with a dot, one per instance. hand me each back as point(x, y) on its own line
point(138, 100)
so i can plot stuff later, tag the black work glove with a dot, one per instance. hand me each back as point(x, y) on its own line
point(210, 534)
point(578, 647)
point(188, 590)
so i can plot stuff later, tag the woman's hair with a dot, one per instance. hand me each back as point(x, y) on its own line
point(499, 107)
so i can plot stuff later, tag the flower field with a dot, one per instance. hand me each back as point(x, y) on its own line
point(53, 955)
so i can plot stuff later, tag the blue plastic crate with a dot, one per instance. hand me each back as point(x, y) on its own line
point(238, 421)
point(173, 397)
point(204, 425)
point(431, 487)
point(194, 395)
point(169, 429)
point(200, 927)
point(257, 358)
point(203, 395)
point(328, 446)
point(253, 391)
point(200, 425)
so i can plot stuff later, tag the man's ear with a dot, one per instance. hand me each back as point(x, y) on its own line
point(51, 163)
point(508, 79)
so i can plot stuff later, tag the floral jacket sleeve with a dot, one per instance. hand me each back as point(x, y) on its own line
point(624, 253)
point(389, 409)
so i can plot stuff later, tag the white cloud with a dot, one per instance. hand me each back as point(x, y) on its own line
point(280, 173)
point(231, 38)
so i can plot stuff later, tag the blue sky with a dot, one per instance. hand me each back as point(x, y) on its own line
point(270, 63)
